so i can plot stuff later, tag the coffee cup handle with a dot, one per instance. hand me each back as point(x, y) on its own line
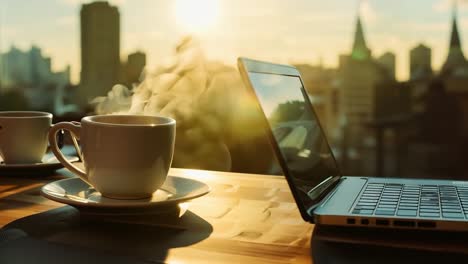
point(74, 128)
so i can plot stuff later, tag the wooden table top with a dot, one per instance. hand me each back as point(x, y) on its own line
point(254, 217)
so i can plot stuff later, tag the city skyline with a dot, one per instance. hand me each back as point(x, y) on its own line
point(313, 32)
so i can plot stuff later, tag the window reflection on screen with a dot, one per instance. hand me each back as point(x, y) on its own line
point(296, 132)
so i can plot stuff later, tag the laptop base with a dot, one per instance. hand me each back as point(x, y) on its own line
point(339, 209)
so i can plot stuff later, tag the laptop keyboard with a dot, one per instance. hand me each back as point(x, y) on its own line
point(408, 200)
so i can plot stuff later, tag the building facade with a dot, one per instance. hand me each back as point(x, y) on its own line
point(420, 62)
point(388, 62)
point(132, 70)
point(25, 69)
point(100, 50)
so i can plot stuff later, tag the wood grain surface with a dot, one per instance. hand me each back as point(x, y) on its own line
point(254, 217)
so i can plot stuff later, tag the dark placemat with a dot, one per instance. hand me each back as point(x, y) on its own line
point(68, 232)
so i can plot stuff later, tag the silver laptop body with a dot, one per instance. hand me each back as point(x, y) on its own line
point(322, 195)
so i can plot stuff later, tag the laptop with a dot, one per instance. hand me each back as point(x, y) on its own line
point(322, 194)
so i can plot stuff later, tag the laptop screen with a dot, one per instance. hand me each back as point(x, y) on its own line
point(304, 151)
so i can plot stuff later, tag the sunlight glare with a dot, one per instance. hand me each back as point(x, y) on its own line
point(196, 15)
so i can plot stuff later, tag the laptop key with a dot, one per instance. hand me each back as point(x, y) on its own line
point(384, 212)
point(451, 211)
point(388, 202)
point(408, 205)
point(429, 204)
point(429, 211)
point(392, 192)
point(387, 205)
point(453, 215)
point(363, 211)
point(451, 206)
point(406, 199)
point(364, 208)
point(367, 203)
point(407, 208)
point(409, 196)
point(358, 207)
point(449, 200)
point(406, 212)
point(368, 199)
point(428, 207)
point(362, 205)
point(393, 208)
point(390, 195)
point(435, 215)
point(370, 196)
point(408, 202)
point(387, 199)
point(371, 192)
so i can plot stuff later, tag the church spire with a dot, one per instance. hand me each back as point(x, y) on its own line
point(455, 56)
point(455, 38)
point(360, 50)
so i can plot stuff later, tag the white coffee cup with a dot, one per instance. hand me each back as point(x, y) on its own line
point(23, 136)
point(125, 156)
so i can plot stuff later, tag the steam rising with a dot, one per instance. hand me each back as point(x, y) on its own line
point(205, 98)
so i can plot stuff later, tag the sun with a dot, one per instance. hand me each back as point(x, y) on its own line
point(196, 16)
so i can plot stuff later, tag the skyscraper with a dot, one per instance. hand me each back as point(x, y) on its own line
point(455, 57)
point(100, 49)
point(359, 76)
point(134, 68)
point(387, 61)
point(40, 66)
point(29, 69)
point(420, 62)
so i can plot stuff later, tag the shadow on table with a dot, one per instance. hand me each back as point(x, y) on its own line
point(20, 191)
point(365, 246)
point(63, 235)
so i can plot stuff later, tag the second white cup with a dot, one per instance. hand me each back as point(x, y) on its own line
point(23, 136)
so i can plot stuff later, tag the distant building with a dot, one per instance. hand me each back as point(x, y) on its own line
point(455, 64)
point(15, 68)
point(133, 68)
point(454, 72)
point(359, 76)
point(387, 61)
point(100, 49)
point(318, 82)
point(29, 69)
point(420, 62)
point(360, 50)
point(392, 99)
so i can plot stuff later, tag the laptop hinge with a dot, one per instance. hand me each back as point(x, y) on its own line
point(325, 195)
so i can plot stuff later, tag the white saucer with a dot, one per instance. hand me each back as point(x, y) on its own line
point(48, 165)
point(77, 193)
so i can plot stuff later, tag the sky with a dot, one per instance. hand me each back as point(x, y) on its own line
point(293, 31)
